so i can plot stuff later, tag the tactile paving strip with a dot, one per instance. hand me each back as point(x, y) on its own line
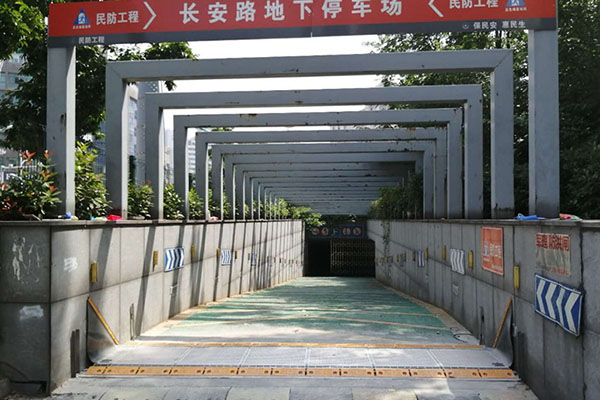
point(423, 373)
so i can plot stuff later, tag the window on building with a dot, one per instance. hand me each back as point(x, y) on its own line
point(2, 80)
point(13, 81)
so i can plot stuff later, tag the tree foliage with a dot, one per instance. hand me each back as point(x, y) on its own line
point(23, 111)
point(400, 202)
point(579, 58)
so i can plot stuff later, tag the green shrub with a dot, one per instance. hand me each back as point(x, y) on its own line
point(139, 200)
point(90, 192)
point(196, 205)
point(172, 203)
point(31, 193)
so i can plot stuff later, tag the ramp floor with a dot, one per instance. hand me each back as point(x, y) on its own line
point(330, 338)
point(315, 310)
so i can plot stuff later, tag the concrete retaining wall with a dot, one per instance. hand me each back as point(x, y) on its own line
point(554, 363)
point(45, 283)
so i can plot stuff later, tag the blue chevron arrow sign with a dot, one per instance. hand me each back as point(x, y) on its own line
point(226, 257)
point(558, 303)
point(174, 258)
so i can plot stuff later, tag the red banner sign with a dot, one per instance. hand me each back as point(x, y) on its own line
point(492, 250)
point(131, 21)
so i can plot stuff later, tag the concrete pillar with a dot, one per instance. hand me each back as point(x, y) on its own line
point(155, 156)
point(60, 122)
point(230, 188)
point(117, 117)
point(544, 143)
point(202, 173)
point(502, 139)
point(180, 166)
point(474, 159)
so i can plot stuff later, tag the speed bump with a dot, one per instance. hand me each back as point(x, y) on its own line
point(357, 372)
point(497, 373)
point(220, 371)
point(427, 373)
point(392, 373)
point(463, 373)
point(121, 370)
point(254, 371)
point(323, 372)
point(289, 372)
point(187, 371)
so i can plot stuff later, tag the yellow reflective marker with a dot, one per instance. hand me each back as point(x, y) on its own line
point(193, 252)
point(426, 255)
point(94, 272)
point(219, 253)
point(154, 258)
point(471, 259)
point(443, 253)
point(516, 277)
point(235, 255)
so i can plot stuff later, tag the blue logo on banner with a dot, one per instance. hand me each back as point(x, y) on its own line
point(174, 258)
point(558, 303)
point(515, 3)
point(81, 19)
point(226, 257)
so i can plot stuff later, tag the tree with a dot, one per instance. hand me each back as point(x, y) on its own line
point(23, 111)
point(20, 22)
point(579, 55)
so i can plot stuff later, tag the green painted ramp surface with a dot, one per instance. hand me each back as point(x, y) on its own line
point(315, 310)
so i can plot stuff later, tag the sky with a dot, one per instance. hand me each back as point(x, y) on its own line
point(277, 47)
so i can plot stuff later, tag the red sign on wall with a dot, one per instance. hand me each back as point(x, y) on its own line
point(131, 21)
point(492, 250)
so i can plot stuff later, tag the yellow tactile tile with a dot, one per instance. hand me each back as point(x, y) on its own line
point(392, 373)
point(187, 371)
point(254, 371)
point(357, 372)
point(146, 370)
point(461, 373)
point(323, 372)
point(220, 371)
point(427, 373)
point(96, 370)
point(497, 373)
point(289, 372)
point(121, 370)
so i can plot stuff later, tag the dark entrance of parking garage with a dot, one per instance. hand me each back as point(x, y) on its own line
point(339, 250)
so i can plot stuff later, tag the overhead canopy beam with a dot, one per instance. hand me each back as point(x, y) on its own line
point(498, 62)
point(409, 136)
point(423, 164)
point(469, 96)
point(451, 118)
